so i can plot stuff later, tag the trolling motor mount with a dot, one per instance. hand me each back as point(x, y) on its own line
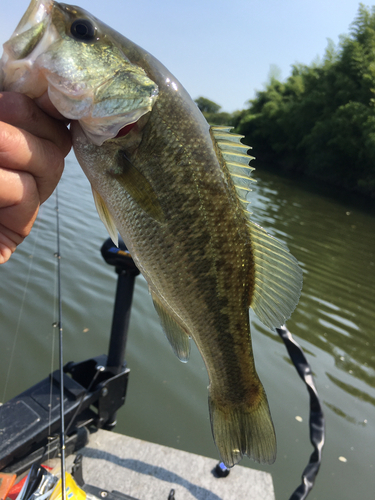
point(30, 422)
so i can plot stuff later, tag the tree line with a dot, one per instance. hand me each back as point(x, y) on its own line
point(321, 120)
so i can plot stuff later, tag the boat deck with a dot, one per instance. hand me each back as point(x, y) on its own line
point(149, 471)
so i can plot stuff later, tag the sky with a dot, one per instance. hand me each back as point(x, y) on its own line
point(219, 49)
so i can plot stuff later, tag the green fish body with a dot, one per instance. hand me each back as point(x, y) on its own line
point(176, 190)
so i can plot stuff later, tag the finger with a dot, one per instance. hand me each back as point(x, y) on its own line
point(21, 111)
point(19, 208)
point(8, 243)
point(19, 201)
point(22, 151)
point(44, 103)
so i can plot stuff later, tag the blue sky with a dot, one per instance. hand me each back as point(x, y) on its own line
point(220, 49)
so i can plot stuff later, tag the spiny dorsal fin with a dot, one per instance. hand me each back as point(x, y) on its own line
point(105, 216)
point(237, 161)
point(278, 278)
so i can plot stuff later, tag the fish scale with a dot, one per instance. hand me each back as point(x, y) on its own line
point(208, 270)
point(225, 348)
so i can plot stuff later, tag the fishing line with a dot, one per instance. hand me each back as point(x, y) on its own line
point(316, 423)
point(55, 302)
point(62, 416)
point(31, 263)
point(99, 369)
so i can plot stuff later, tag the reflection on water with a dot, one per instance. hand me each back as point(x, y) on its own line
point(167, 400)
point(335, 243)
point(350, 389)
point(340, 413)
point(336, 248)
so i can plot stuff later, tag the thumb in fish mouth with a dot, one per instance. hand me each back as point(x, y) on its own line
point(45, 104)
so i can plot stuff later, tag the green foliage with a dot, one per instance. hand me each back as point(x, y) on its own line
point(207, 106)
point(211, 112)
point(321, 120)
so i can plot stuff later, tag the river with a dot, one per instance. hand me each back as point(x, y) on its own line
point(334, 241)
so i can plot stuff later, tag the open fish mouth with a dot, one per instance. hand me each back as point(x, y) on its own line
point(105, 94)
point(24, 47)
point(36, 13)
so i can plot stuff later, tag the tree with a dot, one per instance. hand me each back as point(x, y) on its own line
point(207, 106)
point(321, 120)
point(211, 112)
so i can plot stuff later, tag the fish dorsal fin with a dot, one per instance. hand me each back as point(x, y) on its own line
point(174, 331)
point(277, 280)
point(105, 216)
point(236, 160)
point(277, 276)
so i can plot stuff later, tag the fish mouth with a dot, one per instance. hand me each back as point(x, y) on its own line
point(43, 56)
point(28, 41)
point(36, 13)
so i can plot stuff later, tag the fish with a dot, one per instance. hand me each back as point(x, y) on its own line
point(177, 191)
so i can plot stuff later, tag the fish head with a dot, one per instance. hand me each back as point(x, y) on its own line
point(64, 50)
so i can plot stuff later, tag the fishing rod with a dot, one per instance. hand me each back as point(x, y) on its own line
point(61, 361)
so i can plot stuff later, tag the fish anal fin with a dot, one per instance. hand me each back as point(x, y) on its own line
point(242, 429)
point(138, 187)
point(277, 278)
point(174, 331)
point(105, 216)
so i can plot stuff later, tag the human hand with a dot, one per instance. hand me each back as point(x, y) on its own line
point(33, 145)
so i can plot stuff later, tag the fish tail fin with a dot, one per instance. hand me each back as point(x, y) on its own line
point(243, 430)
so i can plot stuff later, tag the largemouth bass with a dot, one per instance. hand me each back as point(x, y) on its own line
point(176, 190)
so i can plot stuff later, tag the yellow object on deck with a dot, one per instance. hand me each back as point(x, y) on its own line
point(73, 491)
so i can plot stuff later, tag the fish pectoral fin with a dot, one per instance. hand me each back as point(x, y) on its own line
point(277, 278)
point(243, 429)
point(105, 216)
point(174, 331)
point(138, 187)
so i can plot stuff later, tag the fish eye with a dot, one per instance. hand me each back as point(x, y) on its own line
point(83, 30)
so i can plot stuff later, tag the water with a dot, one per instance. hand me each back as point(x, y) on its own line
point(167, 400)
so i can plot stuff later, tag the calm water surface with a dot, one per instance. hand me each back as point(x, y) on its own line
point(167, 400)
